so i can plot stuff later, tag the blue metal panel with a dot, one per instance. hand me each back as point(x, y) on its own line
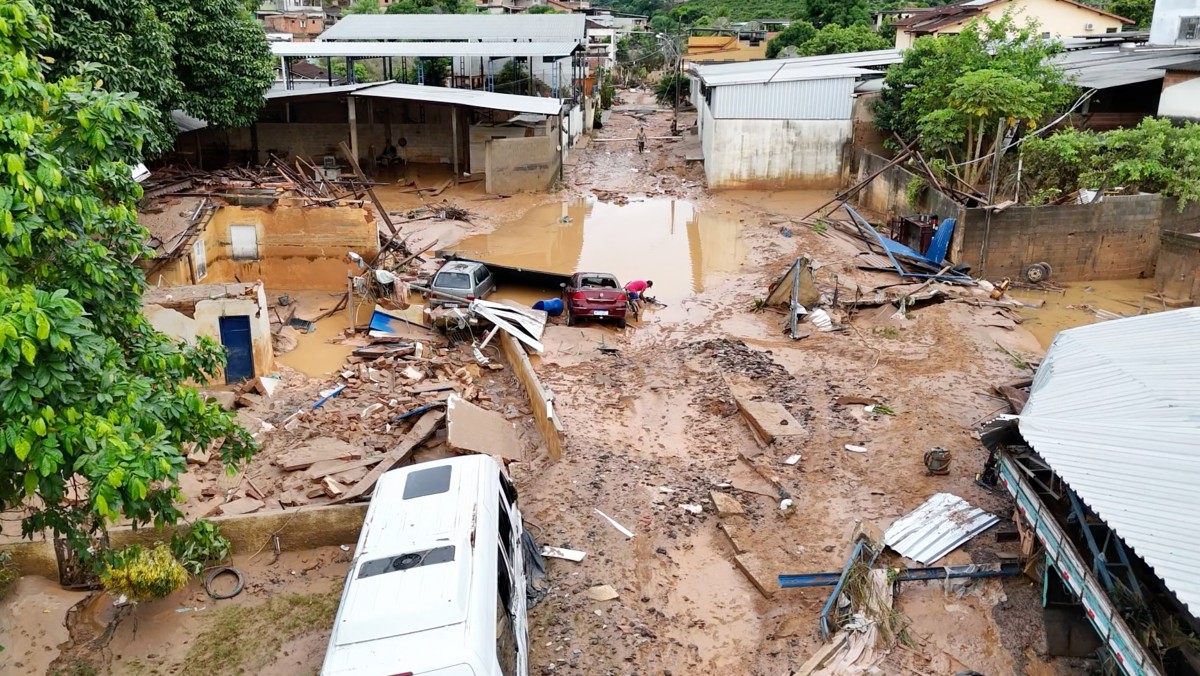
point(239, 350)
point(825, 99)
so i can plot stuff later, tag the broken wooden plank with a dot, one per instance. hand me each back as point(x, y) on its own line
point(433, 387)
point(758, 573)
point(422, 430)
point(320, 470)
point(332, 488)
point(318, 450)
point(471, 428)
point(769, 420)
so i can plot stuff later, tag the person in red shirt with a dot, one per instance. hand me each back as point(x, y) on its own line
point(636, 290)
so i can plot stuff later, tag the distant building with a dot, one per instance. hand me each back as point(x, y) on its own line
point(1180, 97)
point(1176, 22)
point(725, 48)
point(1056, 18)
point(601, 44)
point(301, 27)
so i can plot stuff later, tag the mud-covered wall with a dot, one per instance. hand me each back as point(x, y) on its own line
point(299, 247)
point(521, 164)
point(1117, 238)
point(1177, 272)
point(742, 153)
point(888, 193)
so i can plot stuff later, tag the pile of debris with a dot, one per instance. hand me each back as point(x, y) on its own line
point(372, 417)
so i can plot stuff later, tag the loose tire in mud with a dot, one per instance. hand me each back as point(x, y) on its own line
point(1037, 273)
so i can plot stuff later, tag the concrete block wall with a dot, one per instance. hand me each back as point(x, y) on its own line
point(1117, 238)
point(427, 142)
point(521, 164)
point(741, 153)
point(888, 193)
point(1177, 272)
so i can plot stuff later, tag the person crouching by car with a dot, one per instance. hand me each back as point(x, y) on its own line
point(636, 290)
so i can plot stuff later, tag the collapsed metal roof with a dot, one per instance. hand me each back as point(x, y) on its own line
point(465, 97)
point(1112, 66)
point(543, 27)
point(1115, 411)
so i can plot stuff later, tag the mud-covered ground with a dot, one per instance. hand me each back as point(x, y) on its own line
point(652, 426)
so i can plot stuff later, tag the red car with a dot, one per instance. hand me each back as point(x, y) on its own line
point(594, 294)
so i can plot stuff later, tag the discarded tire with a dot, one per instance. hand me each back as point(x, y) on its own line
point(223, 570)
point(1036, 273)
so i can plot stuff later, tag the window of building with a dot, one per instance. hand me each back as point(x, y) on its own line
point(1110, 30)
point(199, 260)
point(1045, 36)
point(244, 241)
point(1189, 28)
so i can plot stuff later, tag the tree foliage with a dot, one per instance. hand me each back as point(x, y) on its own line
point(954, 90)
point(142, 574)
point(364, 7)
point(834, 39)
point(1155, 156)
point(835, 12)
point(91, 396)
point(543, 9)
point(435, 7)
point(209, 58)
point(1140, 11)
point(671, 88)
point(794, 35)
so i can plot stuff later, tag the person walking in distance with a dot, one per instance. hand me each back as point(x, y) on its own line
point(641, 140)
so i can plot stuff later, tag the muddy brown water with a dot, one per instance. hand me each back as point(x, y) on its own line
point(1066, 309)
point(668, 241)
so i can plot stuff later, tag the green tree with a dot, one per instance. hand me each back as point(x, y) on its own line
point(672, 85)
point(794, 35)
point(837, 12)
point(1140, 11)
point(432, 7)
point(91, 396)
point(364, 7)
point(361, 74)
point(834, 39)
point(437, 71)
point(543, 9)
point(209, 58)
point(940, 93)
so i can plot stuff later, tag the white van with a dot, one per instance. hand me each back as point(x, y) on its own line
point(437, 585)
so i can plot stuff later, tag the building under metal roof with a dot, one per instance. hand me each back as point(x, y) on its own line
point(881, 57)
point(370, 49)
point(1115, 411)
point(1110, 66)
point(464, 97)
point(463, 27)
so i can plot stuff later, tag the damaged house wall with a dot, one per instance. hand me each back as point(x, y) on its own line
point(888, 193)
point(521, 164)
point(1177, 272)
point(188, 313)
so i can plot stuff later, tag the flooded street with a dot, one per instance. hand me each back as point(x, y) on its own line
point(664, 240)
point(1075, 304)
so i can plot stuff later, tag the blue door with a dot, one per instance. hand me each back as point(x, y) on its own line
point(239, 352)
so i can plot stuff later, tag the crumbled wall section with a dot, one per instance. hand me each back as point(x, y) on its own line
point(1117, 238)
point(521, 164)
point(190, 312)
point(1177, 273)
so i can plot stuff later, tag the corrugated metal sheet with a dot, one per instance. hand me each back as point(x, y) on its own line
point(1115, 411)
point(465, 97)
point(881, 57)
point(370, 48)
point(940, 525)
point(542, 27)
point(1109, 66)
point(829, 99)
point(782, 74)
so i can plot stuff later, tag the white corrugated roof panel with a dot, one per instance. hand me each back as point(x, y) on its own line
point(1115, 411)
point(316, 91)
point(940, 525)
point(880, 57)
point(465, 97)
point(782, 73)
point(541, 27)
point(368, 49)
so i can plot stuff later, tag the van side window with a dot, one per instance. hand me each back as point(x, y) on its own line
point(510, 491)
point(506, 530)
point(504, 580)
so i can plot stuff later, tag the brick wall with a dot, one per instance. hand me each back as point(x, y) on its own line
point(1117, 238)
point(1174, 77)
point(1177, 273)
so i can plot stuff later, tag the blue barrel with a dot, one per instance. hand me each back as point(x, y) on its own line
point(551, 306)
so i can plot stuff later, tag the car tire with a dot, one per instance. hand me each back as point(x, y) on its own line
point(621, 323)
point(570, 319)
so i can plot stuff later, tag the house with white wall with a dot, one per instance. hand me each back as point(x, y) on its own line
point(782, 122)
point(1056, 19)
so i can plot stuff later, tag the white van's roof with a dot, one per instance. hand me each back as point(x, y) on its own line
point(428, 510)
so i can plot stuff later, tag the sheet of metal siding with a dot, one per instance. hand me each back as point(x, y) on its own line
point(552, 27)
point(940, 525)
point(1115, 411)
point(799, 100)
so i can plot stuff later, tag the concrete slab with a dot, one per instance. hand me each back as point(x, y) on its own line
point(241, 506)
point(471, 428)
point(726, 504)
point(760, 575)
point(769, 420)
point(321, 449)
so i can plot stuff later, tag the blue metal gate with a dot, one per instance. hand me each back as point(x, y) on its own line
point(239, 351)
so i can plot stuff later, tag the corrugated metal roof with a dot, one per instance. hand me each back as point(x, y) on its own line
point(881, 57)
point(541, 27)
point(1115, 410)
point(782, 73)
point(366, 48)
point(465, 97)
point(315, 91)
point(185, 123)
point(940, 525)
point(824, 99)
point(1106, 67)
